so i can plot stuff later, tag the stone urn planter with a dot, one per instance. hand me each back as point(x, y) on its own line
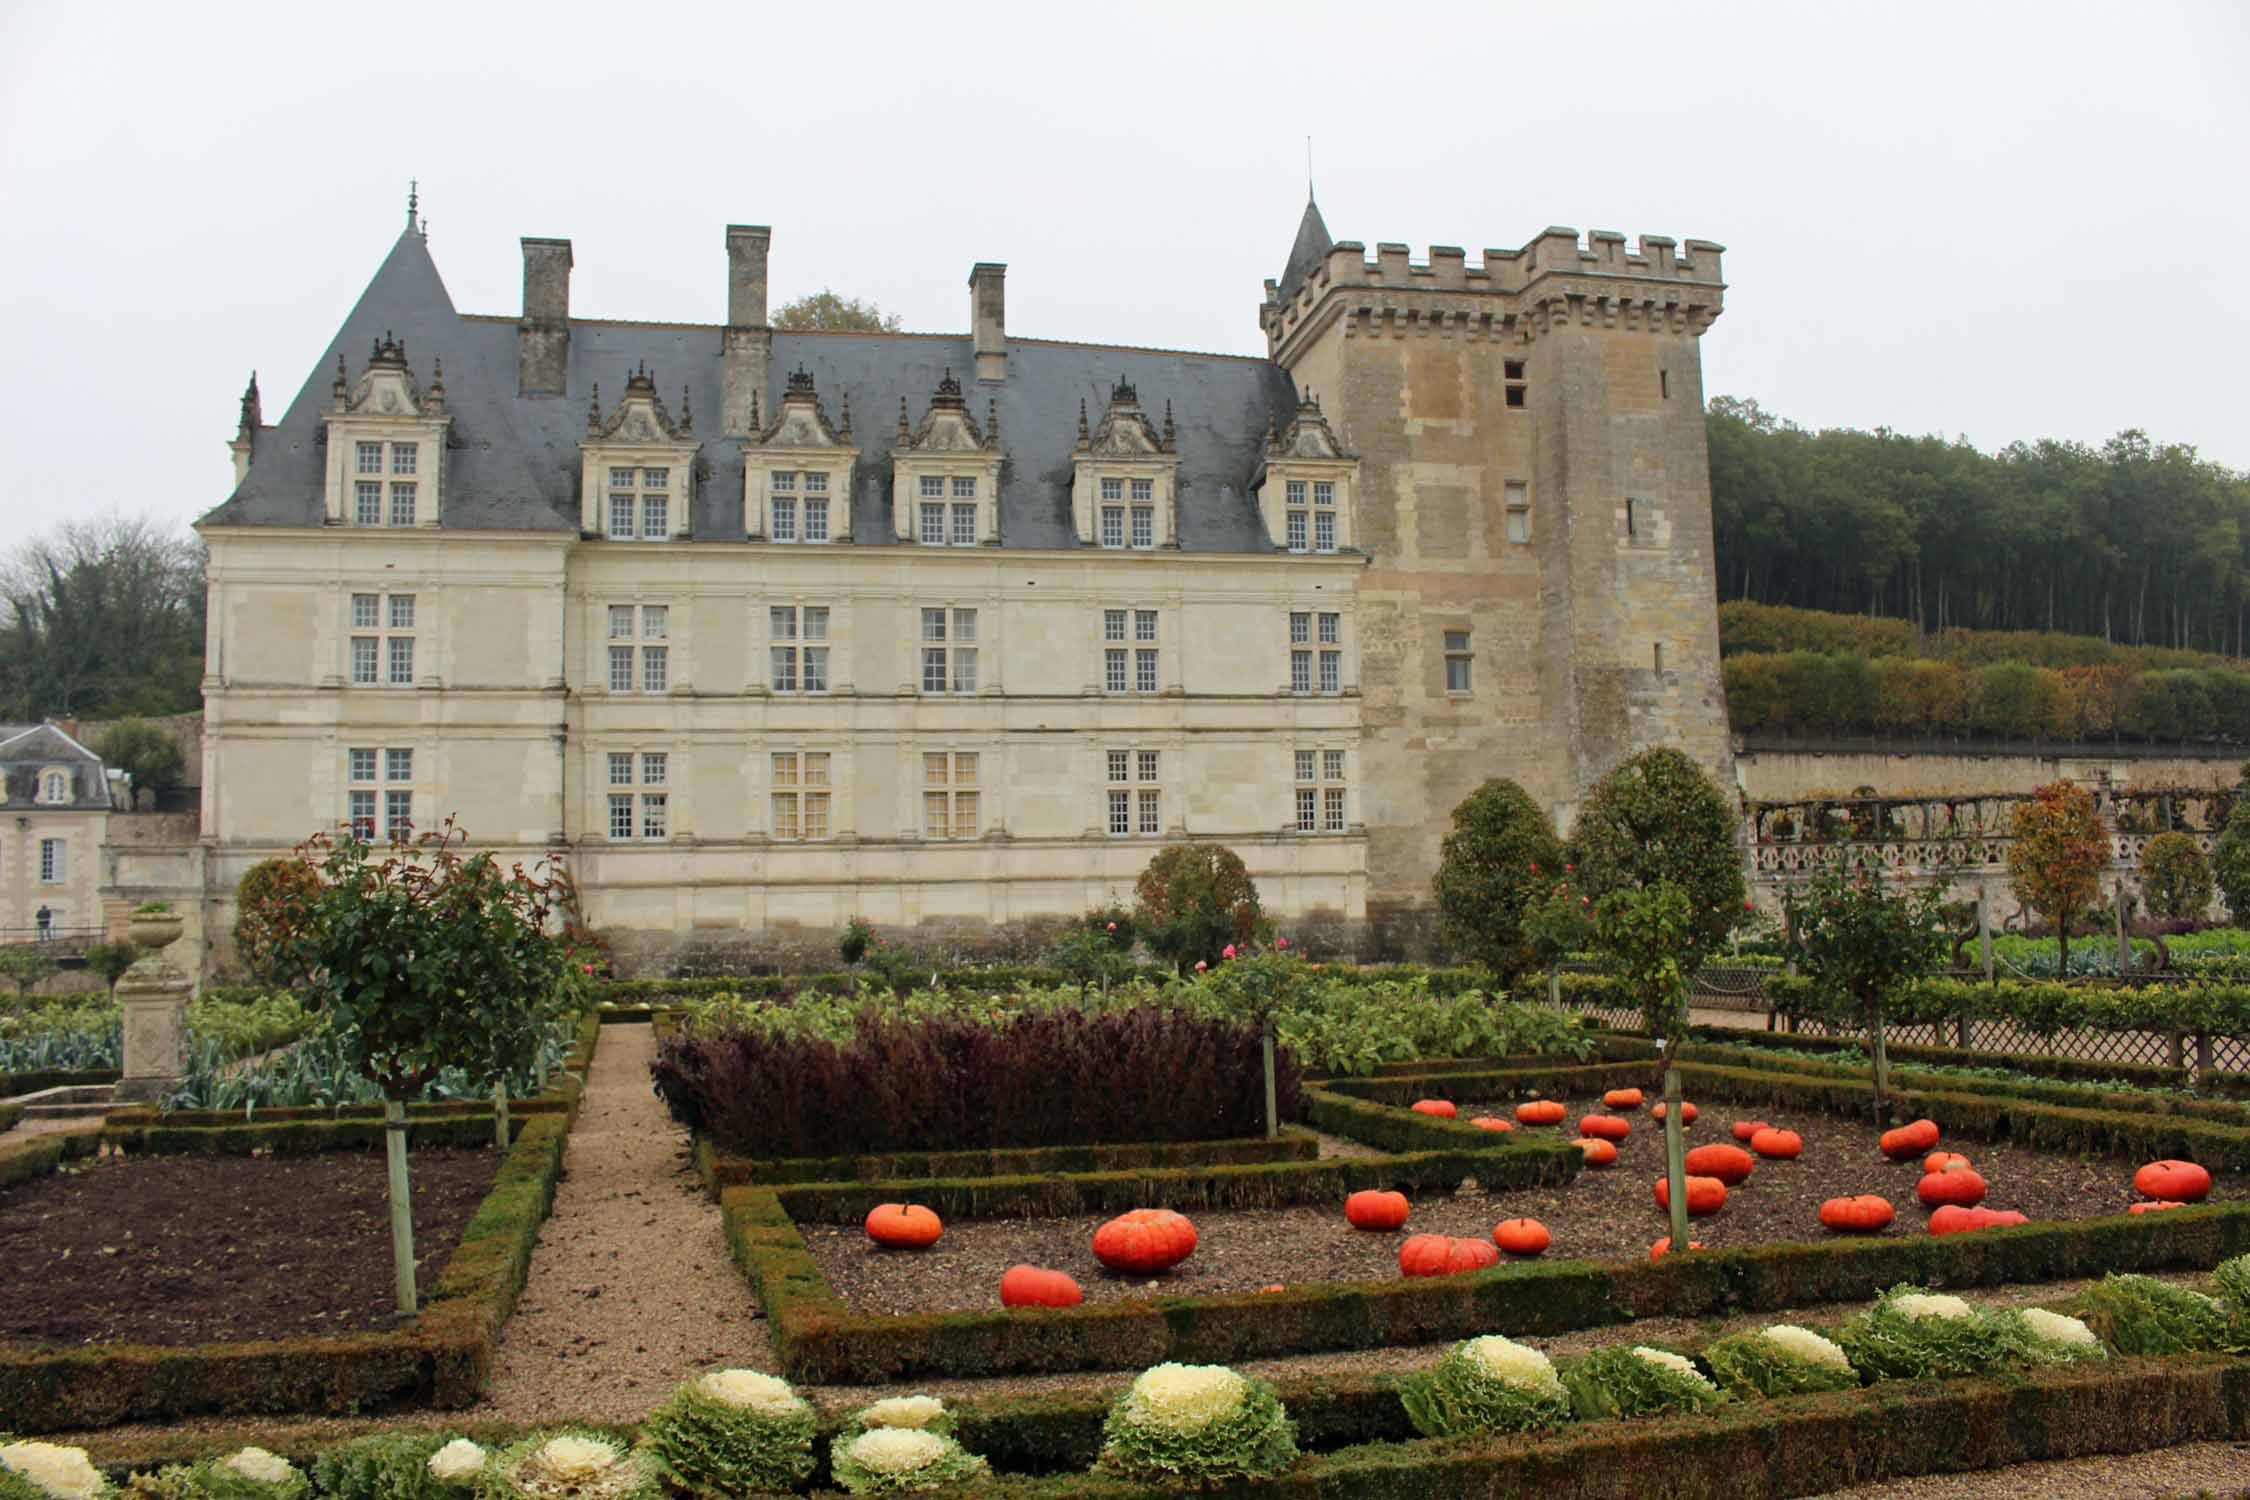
point(154, 930)
point(153, 996)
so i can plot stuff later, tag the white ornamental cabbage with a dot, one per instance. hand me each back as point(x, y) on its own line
point(894, 1451)
point(259, 1465)
point(1678, 1364)
point(753, 1390)
point(2055, 1328)
point(1515, 1364)
point(1804, 1344)
point(1184, 1398)
point(53, 1470)
point(902, 1411)
point(457, 1462)
point(1930, 1305)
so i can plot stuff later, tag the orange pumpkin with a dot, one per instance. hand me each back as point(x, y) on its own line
point(1622, 1099)
point(2173, 1181)
point(1442, 1108)
point(1541, 1112)
point(1954, 1219)
point(1521, 1236)
point(1909, 1140)
point(1275, 1287)
point(1598, 1153)
point(1864, 1214)
point(1605, 1127)
point(1444, 1255)
point(1486, 1122)
point(1144, 1241)
point(1779, 1145)
point(1705, 1195)
point(1036, 1286)
point(2150, 1208)
point(1663, 1247)
point(1730, 1164)
point(1748, 1129)
point(1377, 1210)
point(903, 1226)
point(1957, 1185)
point(1687, 1113)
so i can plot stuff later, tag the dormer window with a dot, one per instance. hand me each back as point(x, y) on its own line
point(797, 471)
point(945, 486)
point(1306, 490)
point(1125, 495)
point(54, 786)
point(634, 461)
point(640, 504)
point(378, 429)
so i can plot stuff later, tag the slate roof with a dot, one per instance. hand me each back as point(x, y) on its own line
point(28, 749)
point(1308, 254)
point(513, 462)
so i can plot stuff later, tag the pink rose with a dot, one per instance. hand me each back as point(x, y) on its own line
point(1227, 951)
point(589, 968)
point(1281, 942)
point(1113, 927)
point(1200, 966)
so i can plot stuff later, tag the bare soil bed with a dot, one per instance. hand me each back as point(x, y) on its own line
point(193, 1249)
point(1608, 1214)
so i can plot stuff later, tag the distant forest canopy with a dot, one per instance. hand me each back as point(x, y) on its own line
point(102, 619)
point(2133, 542)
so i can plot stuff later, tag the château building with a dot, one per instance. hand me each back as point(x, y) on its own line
point(765, 629)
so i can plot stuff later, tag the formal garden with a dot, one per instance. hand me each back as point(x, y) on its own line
point(1177, 1207)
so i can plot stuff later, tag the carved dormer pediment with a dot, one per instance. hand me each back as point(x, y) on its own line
point(641, 416)
point(385, 435)
point(386, 388)
point(1124, 430)
point(945, 474)
point(1308, 435)
point(801, 422)
point(947, 426)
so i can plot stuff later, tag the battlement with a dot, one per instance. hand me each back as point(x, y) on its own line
point(1446, 268)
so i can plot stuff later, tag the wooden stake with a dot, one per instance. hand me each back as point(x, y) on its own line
point(402, 1206)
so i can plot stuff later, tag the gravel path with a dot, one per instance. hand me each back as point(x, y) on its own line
point(631, 1289)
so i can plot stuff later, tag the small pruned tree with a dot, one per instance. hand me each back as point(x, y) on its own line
point(26, 967)
point(1859, 940)
point(2056, 861)
point(109, 961)
point(1648, 938)
point(1192, 901)
point(144, 752)
point(269, 906)
point(1499, 861)
point(1659, 817)
point(420, 958)
point(2175, 878)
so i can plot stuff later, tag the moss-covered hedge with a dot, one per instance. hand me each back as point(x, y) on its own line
point(12, 1084)
point(38, 1155)
point(1566, 1080)
point(722, 1171)
point(443, 1358)
point(2035, 1064)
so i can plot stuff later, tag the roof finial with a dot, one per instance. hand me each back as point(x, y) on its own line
point(1083, 434)
point(757, 427)
point(413, 199)
point(1167, 426)
point(594, 409)
point(844, 431)
point(905, 433)
point(1309, 198)
point(687, 410)
point(991, 423)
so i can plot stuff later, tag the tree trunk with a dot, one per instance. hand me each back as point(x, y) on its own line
point(500, 1116)
point(2062, 948)
point(1675, 1157)
point(1273, 1122)
point(1881, 1063)
point(402, 1206)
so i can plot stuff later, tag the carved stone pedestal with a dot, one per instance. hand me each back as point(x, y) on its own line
point(154, 996)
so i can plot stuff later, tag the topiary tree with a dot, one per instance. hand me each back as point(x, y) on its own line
point(1646, 934)
point(2230, 862)
point(1858, 941)
point(2056, 861)
point(269, 902)
point(1192, 901)
point(419, 959)
point(1660, 817)
point(110, 961)
point(2175, 878)
point(1495, 866)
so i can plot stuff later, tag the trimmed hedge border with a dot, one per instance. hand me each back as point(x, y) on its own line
point(1492, 1083)
point(819, 1340)
point(14, 1084)
point(308, 1137)
point(40, 1154)
point(2038, 1064)
point(719, 1171)
point(442, 1359)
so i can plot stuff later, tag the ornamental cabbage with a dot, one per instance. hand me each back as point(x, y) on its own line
point(1196, 1422)
point(457, 1462)
point(730, 1432)
point(1638, 1381)
point(397, 1466)
point(2141, 1315)
point(2054, 1338)
point(1914, 1334)
point(1781, 1360)
point(566, 1466)
point(917, 1413)
point(1488, 1384)
point(48, 1471)
point(900, 1458)
point(245, 1474)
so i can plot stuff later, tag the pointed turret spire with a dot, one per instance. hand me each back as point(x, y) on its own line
point(1310, 251)
point(253, 417)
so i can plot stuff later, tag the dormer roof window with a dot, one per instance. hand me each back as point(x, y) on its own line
point(1306, 486)
point(945, 474)
point(638, 465)
point(386, 441)
point(1125, 482)
point(797, 470)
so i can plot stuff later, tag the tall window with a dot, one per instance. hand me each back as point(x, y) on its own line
point(54, 862)
point(639, 796)
point(1144, 513)
point(949, 794)
point(367, 498)
point(1300, 657)
point(1512, 371)
point(1129, 667)
point(1320, 791)
point(1331, 662)
point(640, 504)
point(816, 506)
point(799, 506)
point(800, 647)
point(640, 656)
point(54, 786)
point(1519, 512)
point(385, 659)
point(781, 507)
point(1457, 659)
point(1113, 513)
point(1135, 802)
point(1299, 519)
point(1324, 515)
point(949, 650)
point(394, 768)
point(368, 484)
point(800, 794)
point(932, 510)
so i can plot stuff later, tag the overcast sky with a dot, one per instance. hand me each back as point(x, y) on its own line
point(1997, 221)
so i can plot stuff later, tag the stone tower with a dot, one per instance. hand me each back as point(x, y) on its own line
point(1535, 503)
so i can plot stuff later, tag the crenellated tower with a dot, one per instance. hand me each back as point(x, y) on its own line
point(1534, 499)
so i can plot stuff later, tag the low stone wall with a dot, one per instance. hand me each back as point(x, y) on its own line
point(1775, 770)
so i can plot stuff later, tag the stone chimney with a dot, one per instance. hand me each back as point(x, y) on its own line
point(543, 337)
point(988, 318)
point(746, 347)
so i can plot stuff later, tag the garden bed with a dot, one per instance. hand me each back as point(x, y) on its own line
point(188, 1250)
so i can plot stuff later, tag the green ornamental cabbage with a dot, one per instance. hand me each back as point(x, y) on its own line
point(246, 1474)
point(1488, 1384)
point(1781, 1360)
point(920, 1413)
point(2141, 1315)
point(1637, 1381)
point(2053, 1337)
point(1912, 1333)
point(398, 1466)
point(1196, 1422)
point(732, 1431)
point(886, 1459)
point(567, 1465)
